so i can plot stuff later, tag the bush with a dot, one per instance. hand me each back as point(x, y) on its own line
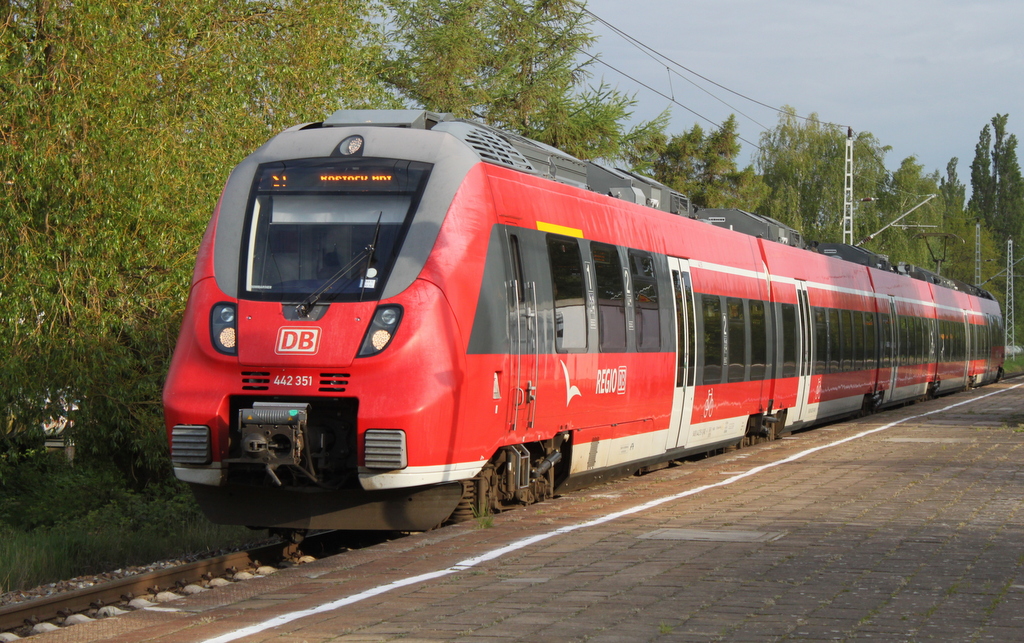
point(58, 521)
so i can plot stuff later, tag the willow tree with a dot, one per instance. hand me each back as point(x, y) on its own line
point(802, 161)
point(120, 124)
point(519, 65)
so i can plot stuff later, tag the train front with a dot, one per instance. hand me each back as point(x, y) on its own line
point(307, 369)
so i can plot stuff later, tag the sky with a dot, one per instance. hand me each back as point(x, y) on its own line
point(923, 76)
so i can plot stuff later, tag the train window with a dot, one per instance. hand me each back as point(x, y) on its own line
point(517, 266)
point(684, 301)
point(915, 330)
point(712, 317)
point(904, 341)
point(682, 347)
point(928, 337)
point(834, 341)
point(869, 340)
point(737, 355)
point(326, 238)
point(858, 341)
point(569, 294)
point(947, 341)
point(758, 341)
point(645, 293)
point(961, 335)
point(931, 343)
point(790, 338)
point(885, 340)
point(972, 330)
point(820, 341)
point(907, 344)
point(915, 341)
point(961, 341)
point(951, 341)
point(955, 346)
point(611, 299)
point(922, 340)
point(691, 330)
point(847, 363)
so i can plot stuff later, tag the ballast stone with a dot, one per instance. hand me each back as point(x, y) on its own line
point(110, 610)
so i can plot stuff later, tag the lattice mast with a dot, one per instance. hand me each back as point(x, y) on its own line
point(1010, 337)
point(977, 252)
point(848, 190)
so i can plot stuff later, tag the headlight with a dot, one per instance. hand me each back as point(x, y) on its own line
point(381, 331)
point(223, 331)
point(351, 146)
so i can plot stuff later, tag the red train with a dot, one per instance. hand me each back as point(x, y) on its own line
point(397, 318)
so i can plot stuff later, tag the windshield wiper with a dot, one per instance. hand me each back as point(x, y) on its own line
point(371, 249)
point(307, 304)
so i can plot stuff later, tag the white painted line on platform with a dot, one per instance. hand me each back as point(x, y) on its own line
point(469, 563)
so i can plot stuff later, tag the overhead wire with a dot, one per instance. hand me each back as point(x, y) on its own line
point(666, 96)
point(656, 55)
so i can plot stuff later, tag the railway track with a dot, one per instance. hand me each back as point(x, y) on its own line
point(22, 618)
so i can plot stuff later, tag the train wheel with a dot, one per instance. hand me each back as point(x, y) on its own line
point(464, 511)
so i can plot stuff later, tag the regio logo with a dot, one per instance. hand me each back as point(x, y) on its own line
point(611, 380)
point(303, 340)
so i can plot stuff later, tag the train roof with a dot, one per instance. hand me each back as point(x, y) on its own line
point(522, 154)
point(753, 224)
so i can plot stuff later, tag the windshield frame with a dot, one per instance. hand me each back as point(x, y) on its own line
point(417, 174)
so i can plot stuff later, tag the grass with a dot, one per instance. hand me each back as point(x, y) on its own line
point(1014, 365)
point(483, 517)
point(32, 558)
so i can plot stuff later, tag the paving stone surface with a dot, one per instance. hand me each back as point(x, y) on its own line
point(911, 533)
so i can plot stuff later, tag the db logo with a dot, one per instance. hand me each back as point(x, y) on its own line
point(304, 340)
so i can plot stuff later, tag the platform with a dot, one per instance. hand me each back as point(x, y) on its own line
point(901, 526)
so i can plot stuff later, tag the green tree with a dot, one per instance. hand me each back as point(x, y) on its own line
point(701, 166)
point(513, 64)
point(120, 124)
point(997, 194)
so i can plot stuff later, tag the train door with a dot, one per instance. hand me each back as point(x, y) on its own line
point(804, 353)
point(962, 352)
point(891, 349)
point(524, 335)
point(682, 399)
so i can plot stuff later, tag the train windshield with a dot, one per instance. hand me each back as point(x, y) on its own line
point(328, 227)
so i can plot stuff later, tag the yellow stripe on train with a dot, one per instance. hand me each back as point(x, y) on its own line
point(559, 229)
